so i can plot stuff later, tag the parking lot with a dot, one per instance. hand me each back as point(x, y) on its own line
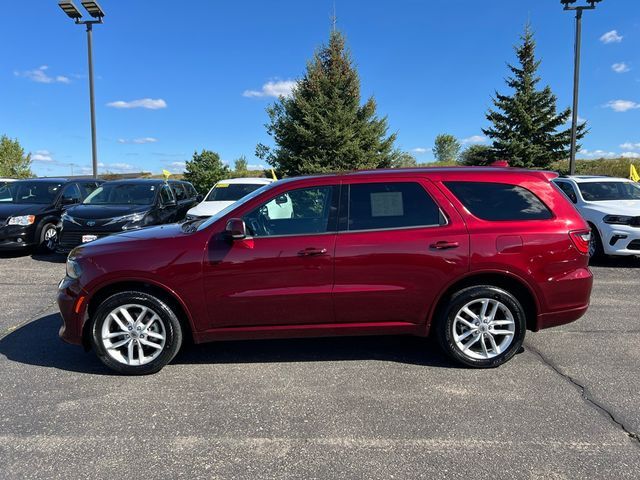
point(568, 406)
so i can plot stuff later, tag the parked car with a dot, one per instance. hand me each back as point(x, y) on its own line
point(31, 209)
point(476, 255)
point(226, 192)
point(124, 205)
point(611, 207)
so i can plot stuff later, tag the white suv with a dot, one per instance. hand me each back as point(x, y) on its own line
point(611, 206)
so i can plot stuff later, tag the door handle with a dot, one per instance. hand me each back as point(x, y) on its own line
point(444, 245)
point(312, 252)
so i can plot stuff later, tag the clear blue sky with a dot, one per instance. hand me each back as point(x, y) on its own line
point(432, 66)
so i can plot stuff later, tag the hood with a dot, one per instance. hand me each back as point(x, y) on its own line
point(16, 209)
point(206, 209)
point(101, 212)
point(127, 239)
point(616, 207)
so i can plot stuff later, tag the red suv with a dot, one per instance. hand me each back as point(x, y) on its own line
point(475, 255)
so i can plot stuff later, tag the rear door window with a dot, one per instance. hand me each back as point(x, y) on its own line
point(377, 206)
point(178, 189)
point(499, 201)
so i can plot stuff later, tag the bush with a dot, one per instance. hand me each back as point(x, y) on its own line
point(613, 167)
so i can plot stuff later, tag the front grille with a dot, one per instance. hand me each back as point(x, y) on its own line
point(634, 245)
point(73, 239)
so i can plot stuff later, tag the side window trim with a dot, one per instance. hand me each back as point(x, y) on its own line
point(345, 214)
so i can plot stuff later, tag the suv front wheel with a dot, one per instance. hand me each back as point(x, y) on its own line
point(482, 326)
point(135, 333)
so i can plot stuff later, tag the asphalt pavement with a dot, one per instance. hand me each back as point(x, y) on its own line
point(568, 406)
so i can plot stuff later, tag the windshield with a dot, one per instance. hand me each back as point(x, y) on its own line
point(233, 206)
point(29, 192)
point(230, 192)
point(601, 191)
point(122, 194)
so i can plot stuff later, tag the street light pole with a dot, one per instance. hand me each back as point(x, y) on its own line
point(94, 146)
point(576, 75)
point(96, 12)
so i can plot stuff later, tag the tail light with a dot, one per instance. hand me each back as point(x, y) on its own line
point(581, 240)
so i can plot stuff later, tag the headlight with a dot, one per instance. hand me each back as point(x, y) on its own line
point(68, 218)
point(22, 220)
point(618, 219)
point(134, 217)
point(73, 267)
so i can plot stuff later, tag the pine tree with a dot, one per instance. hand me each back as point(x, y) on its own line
point(204, 170)
point(322, 127)
point(526, 127)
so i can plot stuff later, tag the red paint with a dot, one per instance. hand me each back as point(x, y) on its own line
point(352, 283)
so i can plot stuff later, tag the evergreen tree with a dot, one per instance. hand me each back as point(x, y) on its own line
point(526, 127)
point(240, 167)
point(204, 170)
point(322, 127)
point(446, 148)
point(13, 161)
point(476, 155)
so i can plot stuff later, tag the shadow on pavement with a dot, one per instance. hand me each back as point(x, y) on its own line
point(616, 262)
point(37, 343)
point(38, 256)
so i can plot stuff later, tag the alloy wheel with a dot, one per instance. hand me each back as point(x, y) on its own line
point(133, 334)
point(483, 328)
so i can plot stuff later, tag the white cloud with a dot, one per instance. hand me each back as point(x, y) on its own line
point(42, 156)
point(630, 155)
point(611, 37)
point(39, 75)
point(420, 150)
point(176, 167)
point(279, 88)
point(474, 139)
point(630, 146)
point(596, 153)
point(622, 105)
point(620, 67)
point(138, 141)
point(148, 103)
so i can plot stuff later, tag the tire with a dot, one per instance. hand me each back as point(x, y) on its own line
point(155, 331)
point(455, 326)
point(48, 235)
point(596, 250)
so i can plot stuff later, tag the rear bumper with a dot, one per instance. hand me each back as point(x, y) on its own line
point(568, 297)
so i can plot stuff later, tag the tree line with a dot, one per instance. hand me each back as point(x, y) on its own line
point(324, 126)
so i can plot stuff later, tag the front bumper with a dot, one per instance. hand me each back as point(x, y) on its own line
point(16, 237)
point(72, 304)
point(620, 239)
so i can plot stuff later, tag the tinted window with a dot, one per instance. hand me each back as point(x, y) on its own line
point(123, 194)
point(72, 192)
point(499, 201)
point(191, 190)
point(391, 205)
point(5, 192)
point(568, 190)
point(297, 212)
point(88, 188)
point(178, 189)
point(231, 191)
point(602, 191)
point(34, 192)
point(166, 194)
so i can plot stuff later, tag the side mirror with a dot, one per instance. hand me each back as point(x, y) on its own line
point(236, 229)
point(281, 199)
point(199, 197)
point(69, 201)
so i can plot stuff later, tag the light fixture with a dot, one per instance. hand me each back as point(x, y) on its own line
point(92, 8)
point(70, 9)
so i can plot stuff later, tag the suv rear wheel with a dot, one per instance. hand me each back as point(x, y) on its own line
point(482, 326)
point(135, 333)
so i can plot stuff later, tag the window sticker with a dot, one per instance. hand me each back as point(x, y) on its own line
point(222, 185)
point(387, 204)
